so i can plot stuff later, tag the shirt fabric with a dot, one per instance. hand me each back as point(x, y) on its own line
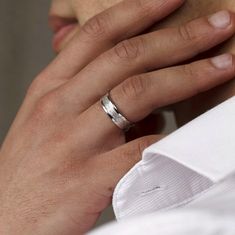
point(184, 184)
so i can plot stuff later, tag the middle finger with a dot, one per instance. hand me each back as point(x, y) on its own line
point(138, 96)
point(102, 32)
point(145, 53)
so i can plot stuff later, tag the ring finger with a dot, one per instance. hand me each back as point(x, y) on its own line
point(147, 52)
point(138, 96)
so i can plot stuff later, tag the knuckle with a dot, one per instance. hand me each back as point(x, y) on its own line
point(192, 76)
point(189, 71)
point(97, 26)
point(186, 32)
point(135, 87)
point(36, 86)
point(45, 107)
point(144, 143)
point(130, 49)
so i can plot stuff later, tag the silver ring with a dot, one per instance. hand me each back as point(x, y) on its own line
point(112, 111)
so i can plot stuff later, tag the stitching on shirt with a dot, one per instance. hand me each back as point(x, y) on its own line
point(180, 204)
point(153, 189)
point(137, 166)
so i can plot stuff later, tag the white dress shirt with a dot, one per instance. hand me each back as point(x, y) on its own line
point(184, 184)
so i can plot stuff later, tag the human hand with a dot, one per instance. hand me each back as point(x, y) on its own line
point(63, 156)
point(191, 108)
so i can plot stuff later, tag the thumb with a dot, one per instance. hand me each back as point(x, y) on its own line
point(113, 165)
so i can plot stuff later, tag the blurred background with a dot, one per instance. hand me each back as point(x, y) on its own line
point(25, 49)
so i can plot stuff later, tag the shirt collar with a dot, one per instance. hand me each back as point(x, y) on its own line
point(177, 169)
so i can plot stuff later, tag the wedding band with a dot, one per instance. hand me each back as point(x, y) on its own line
point(112, 111)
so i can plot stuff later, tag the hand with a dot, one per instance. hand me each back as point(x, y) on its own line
point(197, 105)
point(63, 155)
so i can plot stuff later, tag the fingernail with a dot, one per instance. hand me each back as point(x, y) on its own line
point(221, 19)
point(223, 61)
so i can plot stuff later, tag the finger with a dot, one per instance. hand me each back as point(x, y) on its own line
point(113, 165)
point(102, 32)
point(154, 50)
point(140, 95)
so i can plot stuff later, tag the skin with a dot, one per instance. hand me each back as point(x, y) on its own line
point(189, 109)
point(63, 156)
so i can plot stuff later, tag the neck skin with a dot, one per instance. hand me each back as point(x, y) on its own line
point(188, 110)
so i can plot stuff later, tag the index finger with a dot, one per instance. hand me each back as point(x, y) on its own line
point(103, 31)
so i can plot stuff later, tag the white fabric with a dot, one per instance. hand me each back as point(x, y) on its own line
point(171, 224)
point(190, 170)
point(179, 168)
point(213, 213)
